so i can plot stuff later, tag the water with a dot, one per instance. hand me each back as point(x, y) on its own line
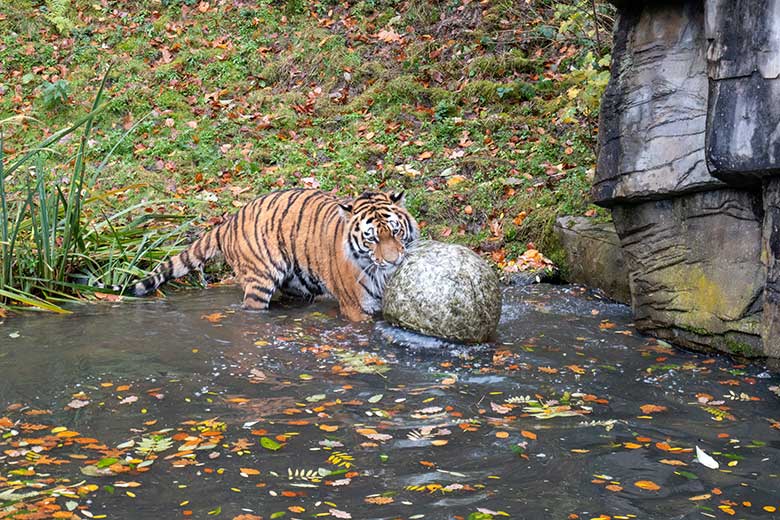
point(548, 424)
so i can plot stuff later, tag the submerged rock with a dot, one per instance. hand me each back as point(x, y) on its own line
point(446, 291)
point(416, 343)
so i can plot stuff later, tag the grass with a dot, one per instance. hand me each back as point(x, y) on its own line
point(481, 112)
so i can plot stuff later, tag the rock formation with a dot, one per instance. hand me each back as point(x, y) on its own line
point(593, 256)
point(689, 164)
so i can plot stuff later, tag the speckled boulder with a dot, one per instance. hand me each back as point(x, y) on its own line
point(446, 291)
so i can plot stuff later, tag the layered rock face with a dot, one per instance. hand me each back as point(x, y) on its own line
point(690, 166)
point(594, 256)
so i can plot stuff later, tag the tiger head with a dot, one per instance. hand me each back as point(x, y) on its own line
point(379, 229)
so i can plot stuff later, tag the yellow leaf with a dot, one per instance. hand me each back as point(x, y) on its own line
point(455, 180)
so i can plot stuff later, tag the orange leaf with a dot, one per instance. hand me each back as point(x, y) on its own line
point(652, 408)
point(215, 317)
point(672, 462)
point(379, 500)
point(328, 427)
point(528, 435)
point(614, 487)
point(632, 445)
point(249, 471)
point(648, 485)
point(502, 435)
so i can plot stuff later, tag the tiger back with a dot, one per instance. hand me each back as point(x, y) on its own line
point(305, 243)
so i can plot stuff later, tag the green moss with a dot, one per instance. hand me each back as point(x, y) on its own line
point(740, 348)
point(695, 330)
point(503, 65)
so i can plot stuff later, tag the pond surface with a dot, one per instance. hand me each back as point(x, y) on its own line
point(192, 407)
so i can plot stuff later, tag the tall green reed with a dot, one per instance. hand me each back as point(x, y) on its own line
point(50, 251)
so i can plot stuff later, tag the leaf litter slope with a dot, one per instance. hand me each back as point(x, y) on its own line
point(484, 112)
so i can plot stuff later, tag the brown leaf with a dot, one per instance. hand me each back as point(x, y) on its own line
point(388, 36)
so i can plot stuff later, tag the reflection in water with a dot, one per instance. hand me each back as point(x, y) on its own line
point(296, 411)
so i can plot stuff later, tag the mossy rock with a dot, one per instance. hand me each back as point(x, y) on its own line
point(445, 291)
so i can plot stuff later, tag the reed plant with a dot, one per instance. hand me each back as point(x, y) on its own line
point(52, 247)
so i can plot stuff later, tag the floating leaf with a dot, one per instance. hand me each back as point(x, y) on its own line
point(647, 409)
point(648, 485)
point(270, 444)
point(705, 459)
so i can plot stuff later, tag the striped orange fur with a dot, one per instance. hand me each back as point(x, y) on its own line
point(305, 243)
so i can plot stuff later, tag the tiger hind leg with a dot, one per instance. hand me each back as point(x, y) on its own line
point(258, 293)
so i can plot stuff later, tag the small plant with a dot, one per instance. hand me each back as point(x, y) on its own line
point(57, 15)
point(444, 109)
point(55, 95)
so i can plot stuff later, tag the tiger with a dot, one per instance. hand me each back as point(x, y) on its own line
point(305, 243)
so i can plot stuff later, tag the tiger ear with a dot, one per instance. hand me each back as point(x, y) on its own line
point(398, 197)
point(346, 207)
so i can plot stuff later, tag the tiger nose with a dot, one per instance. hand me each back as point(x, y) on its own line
point(399, 257)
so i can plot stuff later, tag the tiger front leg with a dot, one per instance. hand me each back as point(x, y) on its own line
point(353, 312)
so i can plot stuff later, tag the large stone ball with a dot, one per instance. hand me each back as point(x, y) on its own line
point(446, 291)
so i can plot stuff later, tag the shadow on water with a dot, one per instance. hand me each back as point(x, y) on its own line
point(571, 412)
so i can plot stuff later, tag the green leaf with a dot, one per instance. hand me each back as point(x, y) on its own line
point(687, 474)
point(106, 462)
point(270, 444)
point(278, 514)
